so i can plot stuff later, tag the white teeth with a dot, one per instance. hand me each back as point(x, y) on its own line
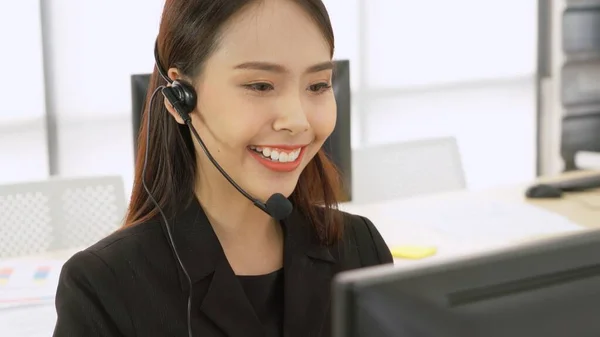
point(277, 155)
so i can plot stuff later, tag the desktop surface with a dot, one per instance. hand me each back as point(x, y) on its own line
point(550, 289)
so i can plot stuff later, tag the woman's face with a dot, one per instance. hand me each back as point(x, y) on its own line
point(265, 102)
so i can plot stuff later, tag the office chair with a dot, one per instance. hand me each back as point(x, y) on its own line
point(58, 214)
point(400, 170)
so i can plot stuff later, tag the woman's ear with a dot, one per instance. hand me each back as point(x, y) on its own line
point(173, 74)
point(173, 113)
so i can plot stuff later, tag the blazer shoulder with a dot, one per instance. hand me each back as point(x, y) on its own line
point(124, 242)
point(363, 235)
point(88, 299)
point(356, 225)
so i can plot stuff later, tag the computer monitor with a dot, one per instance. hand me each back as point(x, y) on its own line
point(337, 146)
point(547, 289)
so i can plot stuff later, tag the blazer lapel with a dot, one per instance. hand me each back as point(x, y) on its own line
point(216, 291)
point(309, 268)
point(227, 306)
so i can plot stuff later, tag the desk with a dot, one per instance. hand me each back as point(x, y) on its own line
point(574, 210)
point(581, 208)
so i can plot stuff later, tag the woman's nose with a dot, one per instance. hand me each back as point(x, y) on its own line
point(292, 117)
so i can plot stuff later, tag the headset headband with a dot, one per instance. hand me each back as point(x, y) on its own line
point(161, 70)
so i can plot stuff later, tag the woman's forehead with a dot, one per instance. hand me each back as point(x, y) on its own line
point(273, 31)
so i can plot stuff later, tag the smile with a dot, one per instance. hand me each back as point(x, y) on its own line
point(278, 158)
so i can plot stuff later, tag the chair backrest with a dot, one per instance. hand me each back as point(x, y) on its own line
point(58, 213)
point(406, 169)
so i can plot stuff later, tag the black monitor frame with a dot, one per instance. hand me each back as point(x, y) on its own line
point(549, 288)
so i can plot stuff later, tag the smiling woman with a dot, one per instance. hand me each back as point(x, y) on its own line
point(248, 83)
point(260, 73)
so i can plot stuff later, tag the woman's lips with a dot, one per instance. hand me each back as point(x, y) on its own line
point(279, 158)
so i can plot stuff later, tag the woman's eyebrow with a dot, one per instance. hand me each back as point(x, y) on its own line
point(278, 68)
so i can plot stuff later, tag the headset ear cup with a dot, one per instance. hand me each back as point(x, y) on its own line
point(186, 94)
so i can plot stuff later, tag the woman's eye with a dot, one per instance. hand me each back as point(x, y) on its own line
point(320, 87)
point(262, 87)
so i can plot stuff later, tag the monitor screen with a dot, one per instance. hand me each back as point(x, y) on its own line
point(337, 146)
point(547, 289)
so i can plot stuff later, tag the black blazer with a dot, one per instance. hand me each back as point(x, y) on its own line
point(129, 284)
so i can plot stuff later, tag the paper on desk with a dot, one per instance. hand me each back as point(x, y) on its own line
point(480, 221)
point(26, 282)
point(460, 227)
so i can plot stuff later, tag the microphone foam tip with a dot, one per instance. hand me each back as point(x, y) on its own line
point(279, 207)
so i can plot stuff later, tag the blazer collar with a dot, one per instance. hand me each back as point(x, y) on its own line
point(224, 301)
point(196, 243)
point(309, 268)
point(200, 250)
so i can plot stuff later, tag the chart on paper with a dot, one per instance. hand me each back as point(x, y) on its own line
point(27, 282)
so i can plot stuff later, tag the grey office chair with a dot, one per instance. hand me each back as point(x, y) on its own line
point(58, 214)
point(400, 170)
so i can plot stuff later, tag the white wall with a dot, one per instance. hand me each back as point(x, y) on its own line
point(95, 47)
point(462, 68)
point(23, 143)
point(423, 43)
point(419, 69)
point(22, 87)
point(345, 18)
point(494, 126)
point(93, 51)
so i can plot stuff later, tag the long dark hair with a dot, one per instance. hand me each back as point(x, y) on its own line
point(189, 32)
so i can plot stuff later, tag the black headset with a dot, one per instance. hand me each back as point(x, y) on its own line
point(182, 96)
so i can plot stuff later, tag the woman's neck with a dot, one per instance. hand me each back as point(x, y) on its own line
point(229, 212)
point(251, 240)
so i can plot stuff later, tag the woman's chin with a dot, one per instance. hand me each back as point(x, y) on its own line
point(263, 186)
point(265, 194)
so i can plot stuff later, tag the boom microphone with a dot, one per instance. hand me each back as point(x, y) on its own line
point(277, 206)
point(182, 96)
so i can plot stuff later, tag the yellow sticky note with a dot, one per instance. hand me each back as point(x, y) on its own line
point(413, 252)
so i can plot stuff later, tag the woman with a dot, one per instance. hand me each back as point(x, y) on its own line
point(262, 72)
